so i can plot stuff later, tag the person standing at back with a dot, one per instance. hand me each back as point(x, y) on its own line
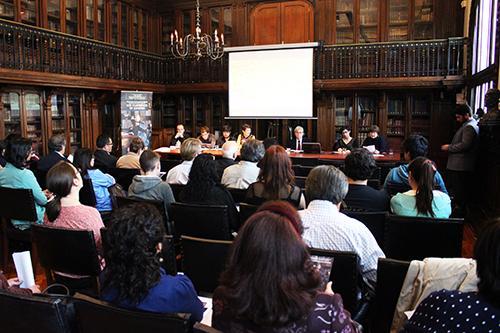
point(102, 155)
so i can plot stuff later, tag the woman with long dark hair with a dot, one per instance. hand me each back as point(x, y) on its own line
point(204, 188)
point(271, 284)
point(276, 180)
point(422, 199)
point(84, 161)
point(133, 277)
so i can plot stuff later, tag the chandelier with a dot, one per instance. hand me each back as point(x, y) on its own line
point(197, 45)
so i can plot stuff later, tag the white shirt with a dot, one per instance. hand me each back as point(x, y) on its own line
point(180, 173)
point(326, 228)
point(240, 175)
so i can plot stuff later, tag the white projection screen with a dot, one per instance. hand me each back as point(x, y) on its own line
point(271, 83)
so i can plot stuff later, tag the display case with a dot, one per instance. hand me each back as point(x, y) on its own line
point(221, 19)
point(368, 21)
point(344, 27)
point(54, 15)
point(398, 20)
point(124, 26)
point(71, 17)
point(420, 115)
point(367, 112)
point(423, 23)
point(343, 114)
point(27, 12)
point(11, 107)
point(7, 9)
point(135, 28)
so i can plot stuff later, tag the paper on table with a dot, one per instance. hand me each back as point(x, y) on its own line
point(207, 315)
point(370, 148)
point(162, 150)
point(22, 261)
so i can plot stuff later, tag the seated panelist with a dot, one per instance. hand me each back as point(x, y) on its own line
point(298, 139)
point(207, 139)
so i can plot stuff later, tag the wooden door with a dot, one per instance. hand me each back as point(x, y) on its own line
point(297, 22)
point(265, 26)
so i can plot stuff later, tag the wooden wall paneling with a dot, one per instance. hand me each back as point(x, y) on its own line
point(265, 26)
point(297, 22)
point(326, 120)
point(324, 21)
point(442, 126)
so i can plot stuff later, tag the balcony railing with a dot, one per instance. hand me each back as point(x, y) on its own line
point(30, 48)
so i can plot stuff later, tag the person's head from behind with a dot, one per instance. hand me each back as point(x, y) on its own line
point(180, 129)
point(63, 179)
point(268, 257)
point(421, 179)
point(18, 152)
point(226, 131)
point(491, 99)
point(252, 151)
point(487, 255)
point(83, 160)
point(463, 113)
point(136, 145)
point(326, 182)
point(133, 255)
point(286, 210)
point(203, 175)
point(246, 130)
point(346, 133)
point(359, 164)
point(104, 142)
point(415, 146)
point(57, 143)
point(204, 132)
point(150, 163)
point(374, 131)
point(190, 148)
point(276, 171)
point(229, 149)
point(298, 132)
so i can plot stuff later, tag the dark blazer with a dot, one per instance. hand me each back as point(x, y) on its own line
point(463, 148)
point(349, 146)
point(222, 163)
point(292, 144)
point(49, 161)
point(379, 142)
point(221, 141)
point(173, 142)
point(103, 160)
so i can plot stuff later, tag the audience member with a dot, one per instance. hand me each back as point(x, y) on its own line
point(207, 139)
point(397, 178)
point(12, 286)
point(326, 228)
point(456, 311)
point(346, 143)
point(84, 161)
point(133, 277)
point(421, 200)
point(3, 145)
point(271, 284)
point(244, 173)
point(57, 146)
point(179, 174)
point(204, 188)
point(491, 99)
point(374, 139)
point(245, 135)
point(276, 180)
point(15, 175)
point(226, 136)
point(462, 153)
point(359, 166)
point(180, 136)
point(64, 210)
point(298, 139)
point(131, 160)
point(103, 158)
point(229, 151)
point(148, 185)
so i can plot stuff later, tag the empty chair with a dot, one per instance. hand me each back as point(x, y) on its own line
point(87, 194)
point(203, 221)
point(125, 201)
point(124, 176)
point(27, 314)
point(203, 261)
point(94, 316)
point(246, 210)
point(390, 277)
point(416, 238)
point(68, 251)
point(374, 221)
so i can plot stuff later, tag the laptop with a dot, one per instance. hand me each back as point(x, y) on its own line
point(311, 147)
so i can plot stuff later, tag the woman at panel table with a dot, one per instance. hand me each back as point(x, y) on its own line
point(245, 135)
point(346, 143)
point(207, 139)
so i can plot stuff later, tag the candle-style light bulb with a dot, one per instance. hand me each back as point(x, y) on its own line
point(222, 39)
point(171, 39)
point(176, 36)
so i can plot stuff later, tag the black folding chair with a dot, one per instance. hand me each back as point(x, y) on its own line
point(125, 201)
point(374, 221)
point(87, 194)
point(124, 176)
point(246, 210)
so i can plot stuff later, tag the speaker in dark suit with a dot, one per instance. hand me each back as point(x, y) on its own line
point(298, 139)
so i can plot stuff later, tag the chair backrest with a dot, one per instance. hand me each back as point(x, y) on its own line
point(374, 221)
point(26, 314)
point(17, 203)
point(124, 176)
point(203, 261)
point(238, 194)
point(301, 170)
point(416, 238)
point(203, 221)
point(67, 251)
point(94, 316)
point(41, 178)
point(390, 277)
point(300, 182)
point(87, 194)
point(246, 210)
point(167, 164)
point(125, 201)
point(176, 190)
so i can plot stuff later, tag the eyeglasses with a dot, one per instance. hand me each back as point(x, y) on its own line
point(109, 144)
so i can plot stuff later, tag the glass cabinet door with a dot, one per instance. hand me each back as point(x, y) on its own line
point(28, 11)
point(420, 116)
point(89, 18)
point(135, 29)
point(345, 21)
point(228, 26)
point(11, 113)
point(71, 17)
point(124, 27)
point(368, 21)
point(144, 31)
point(367, 115)
point(75, 121)
point(7, 10)
point(57, 113)
point(33, 109)
point(398, 20)
point(396, 115)
point(343, 114)
point(423, 27)
point(114, 22)
point(54, 14)
point(100, 20)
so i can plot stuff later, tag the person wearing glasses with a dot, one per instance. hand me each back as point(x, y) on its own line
point(298, 139)
point(103, 160)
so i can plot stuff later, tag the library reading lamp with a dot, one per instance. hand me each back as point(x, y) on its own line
point(197, 45)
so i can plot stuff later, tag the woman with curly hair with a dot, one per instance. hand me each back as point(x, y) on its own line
point(133, 277)
point(204, 188)
point(271, 284)
point(276, 180)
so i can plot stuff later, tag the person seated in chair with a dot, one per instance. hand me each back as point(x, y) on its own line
point(359, 166)
point(245, 135)
point(226, 136)
point(397, 178)
point(131, 160)
point(422, 199)
point(12, 286)
point(57, 146)
point(103, 158)
point(16, 175)
point(133, 277)
point(84, 161)
point(207, 139)
point(374, 139)
point(179, 137)
point(298, 139)
point(179, 174)
point(205, 188)
point(241, 175)
point(148, 185)
point(229, 151)
point(346, 143)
